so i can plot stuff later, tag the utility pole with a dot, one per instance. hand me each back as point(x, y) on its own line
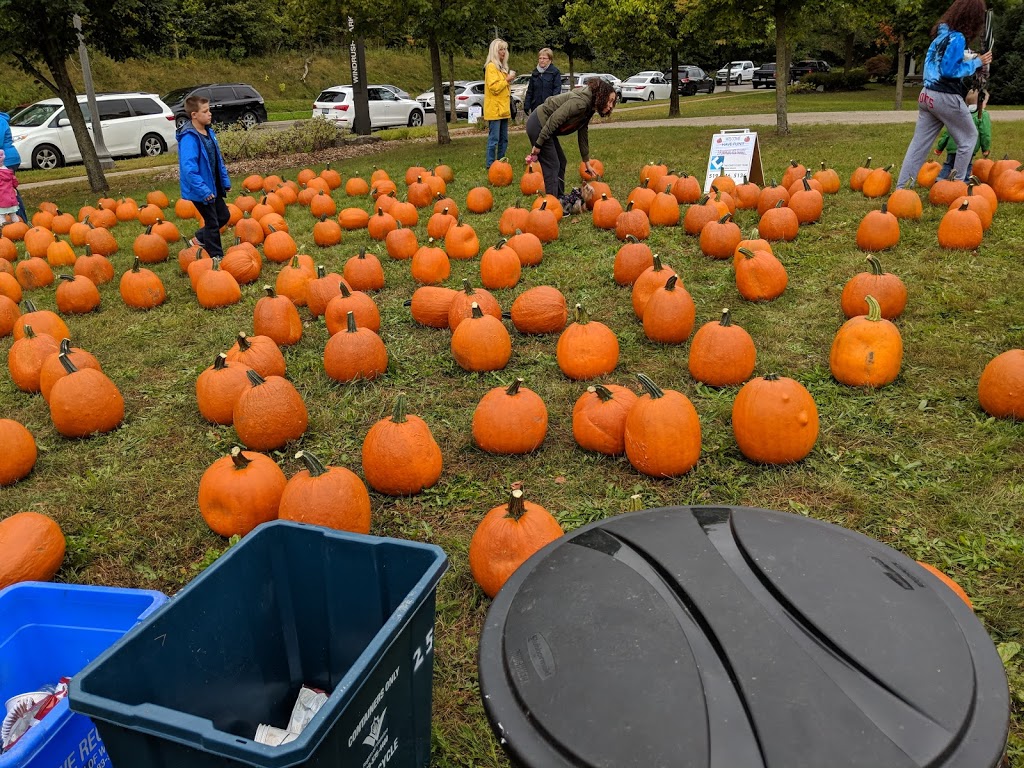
point(357, 63)
point(106, 161)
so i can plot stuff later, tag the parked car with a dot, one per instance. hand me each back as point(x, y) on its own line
point(229, 103)
point(648, 87)
point(805, 67)
point(468, 93)
point(337, 104)
point(397, 91)
point(585, 77)
point(736, 72)
point(693, 79)
point(133, 124)
point(518, 87)
point(764, 75)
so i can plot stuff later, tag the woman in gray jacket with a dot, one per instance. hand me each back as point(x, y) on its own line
point(559, 116)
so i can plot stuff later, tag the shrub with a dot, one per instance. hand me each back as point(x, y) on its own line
point(880, 67)
point(854, 80)
point(307, 136)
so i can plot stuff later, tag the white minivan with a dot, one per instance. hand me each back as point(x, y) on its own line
point(736, 72)
point(133, 124)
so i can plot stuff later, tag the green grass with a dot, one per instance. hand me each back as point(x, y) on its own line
point(76, 170)
point(916, 464)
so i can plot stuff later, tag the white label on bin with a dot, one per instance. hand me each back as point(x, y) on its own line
point(368, 714)
point(89, 753)
point(421, 652)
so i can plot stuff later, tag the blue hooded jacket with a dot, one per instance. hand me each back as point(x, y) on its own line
point(12, 159)
point(195, 171)
point(944, 64)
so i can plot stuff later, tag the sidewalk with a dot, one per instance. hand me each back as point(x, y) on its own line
point(722, 121)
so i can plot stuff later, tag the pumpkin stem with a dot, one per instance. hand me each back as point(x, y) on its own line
point(874, 310)
point(516, 505)
point(270, 291)
point(221, 362)
point(952, 176)
point(602, 392)
point(66, 362)
point(313, 464)
point(657, 266)
point(807, 186)
point(670, 284)
point(513, 388)
point(467, 288)
point(65, 346)
point(779, 203)
point(69, 278)
point(649, 386)
point(631, 239)
point(885, 207)
point(775, 376)
point(135, 265)
point(345, 291)
point(350, 322)
point(254, 378)
point(243, 342)
point(636, 503)
point(321, 271)
point(747, 253)
point(29, 333)
point(725, 219)
point(399, 412)
point(726, 320)
point(477, 313)
point(793, 163)
point(964, 205)
point(704, 200)
point(580, 315)
point(29, 306)
point(238, 458)
point(970, 189)
point(867, 164)
point(500, 244)
point(875, 264)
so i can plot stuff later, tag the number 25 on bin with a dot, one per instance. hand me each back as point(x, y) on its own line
point(423, 651)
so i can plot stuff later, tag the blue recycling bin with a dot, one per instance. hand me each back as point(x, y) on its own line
point(289, 605)
point(49, 631)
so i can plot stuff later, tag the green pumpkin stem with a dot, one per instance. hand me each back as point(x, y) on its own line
point(346, 292)
point(725, 219)
point(747, 253)
point(136, 265)
point(775, 376)
point(29, 333)
point(350, 322)
point(321, 270)
point(513, 388)
point(670, 284)
point(220, 362)
point(874, 310)
point(476, 311)
point(467, 288)
point(238, 458)
point(66, 362)
point(726, 320)
point(270, 291)
point(313, 464)
point(867, 163)
point(399, 413)
point(657, 266)
point(29, 306)
point(65, 346)
point(649, 386)
point(243, 342)
point(602, 392)
point(69, 278)
point(875, 264)
point(254, 378)
point(580, 315)
point(636, 503)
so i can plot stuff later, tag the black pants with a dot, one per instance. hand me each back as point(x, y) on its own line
point(215, 215)
point(552, 158)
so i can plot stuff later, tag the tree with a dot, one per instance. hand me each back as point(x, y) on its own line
point(41, 38)
point(1007, 80)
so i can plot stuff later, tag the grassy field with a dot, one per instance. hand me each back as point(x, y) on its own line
point(917, 464)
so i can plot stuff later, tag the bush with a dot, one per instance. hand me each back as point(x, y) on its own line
point(880, 67)
point(854, 80)
point(308, 136)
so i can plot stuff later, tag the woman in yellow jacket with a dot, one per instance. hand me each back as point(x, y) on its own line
point(497, 100)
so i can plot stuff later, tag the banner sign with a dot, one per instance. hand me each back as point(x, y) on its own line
point(735, 153)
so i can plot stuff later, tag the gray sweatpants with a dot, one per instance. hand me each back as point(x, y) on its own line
point(935, 109)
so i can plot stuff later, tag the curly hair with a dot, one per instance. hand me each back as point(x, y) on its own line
point(602, 91)
point(964, 16)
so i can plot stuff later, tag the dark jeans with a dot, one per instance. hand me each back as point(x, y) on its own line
point(21, 209)
point(947, 168)
point(552, 158)
point(215, 215)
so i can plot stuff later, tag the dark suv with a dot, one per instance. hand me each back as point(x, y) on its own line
point(693, 79)
point(805, 67)
point(229, 103)
point(764, 75)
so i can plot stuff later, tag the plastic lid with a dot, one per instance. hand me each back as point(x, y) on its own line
point(718, 637)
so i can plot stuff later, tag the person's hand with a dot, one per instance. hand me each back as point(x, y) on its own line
point(938, 151)
point(209, 198)
point(986, 57)
point(590, 171)
point(984, 153)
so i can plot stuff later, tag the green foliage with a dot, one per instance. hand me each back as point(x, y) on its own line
point(854, 80)
point(1006, 83)
point(307, 136)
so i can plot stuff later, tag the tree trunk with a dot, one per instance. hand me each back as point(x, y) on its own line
point(435, 69)
point(851, 37)
point(451, 86)
point(572, 65)
point(781, 69)
point(66, 90)
point(673, 96)
point(901, 66)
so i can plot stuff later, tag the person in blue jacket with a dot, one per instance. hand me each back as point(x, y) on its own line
point(203, 177)
point(12, 159)
point(946, 66)
point(545, 81)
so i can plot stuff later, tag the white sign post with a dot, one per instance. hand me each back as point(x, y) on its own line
point(475, 113)
point(734, 153)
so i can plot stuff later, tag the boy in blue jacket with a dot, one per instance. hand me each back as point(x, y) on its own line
point(202, 174)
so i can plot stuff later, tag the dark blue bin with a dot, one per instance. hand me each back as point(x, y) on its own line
point(290, 605)
point(49, 631)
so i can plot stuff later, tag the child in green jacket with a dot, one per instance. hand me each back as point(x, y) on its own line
point(984, 123)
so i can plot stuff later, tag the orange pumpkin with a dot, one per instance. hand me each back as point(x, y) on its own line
point(586, 349)
point(774, 420)
point(510, 420)
point(19, 454)
point(867, 350)
point(722, 354)
point(400, 455)
point(33, 547)
point(1001, 386)
point(887, 288)
point(333, 497)
point(599, 418)
point(662, 433)
point(240, 491)
point(961, 228)
point(540, 310)
point(878, 230)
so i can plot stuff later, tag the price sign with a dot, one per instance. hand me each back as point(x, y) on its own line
point(734, 153)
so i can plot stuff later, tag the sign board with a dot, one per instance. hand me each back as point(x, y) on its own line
point(475, 113)
point(736, 153)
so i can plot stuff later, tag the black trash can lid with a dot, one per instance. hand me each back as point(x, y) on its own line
point(717, 637)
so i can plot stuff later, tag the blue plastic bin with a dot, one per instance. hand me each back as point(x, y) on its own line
point(49, 631)
point(289, 605)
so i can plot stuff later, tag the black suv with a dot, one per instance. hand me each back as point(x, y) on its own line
point(693, 79)
point(805, 67)
point(229, 103)
point(764, 75)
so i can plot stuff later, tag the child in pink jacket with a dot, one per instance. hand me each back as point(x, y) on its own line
point(8, 193)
